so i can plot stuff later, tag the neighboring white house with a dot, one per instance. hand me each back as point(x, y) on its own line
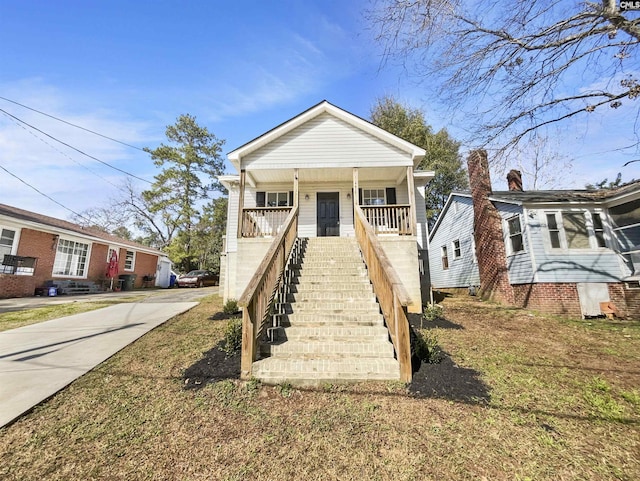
point(324, 161)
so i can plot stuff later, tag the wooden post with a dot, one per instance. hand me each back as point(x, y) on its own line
point(356, 195)
point(243, 176)
point(412, 201)
point(248, 343)
point(295, 188)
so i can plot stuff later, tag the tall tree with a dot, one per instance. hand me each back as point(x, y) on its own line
point(189, 166)
point(442, 151)
point(516, 67)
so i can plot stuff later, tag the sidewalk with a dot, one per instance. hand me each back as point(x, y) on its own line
point(37, 361)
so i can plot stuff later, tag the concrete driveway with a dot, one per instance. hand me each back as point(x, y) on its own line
point(37, 361)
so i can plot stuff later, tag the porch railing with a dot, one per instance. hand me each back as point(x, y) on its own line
point(389, 219)
point(389, 290)
point(263, 221)
point(257, 299)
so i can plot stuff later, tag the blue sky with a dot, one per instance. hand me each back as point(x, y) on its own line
point(127, 69)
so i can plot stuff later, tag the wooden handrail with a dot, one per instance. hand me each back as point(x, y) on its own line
point(389, 290)
point(389, 219)
point(262, 221)
point(257, 298)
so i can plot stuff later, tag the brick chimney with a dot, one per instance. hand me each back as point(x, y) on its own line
point(487, 223)
point(514, 179)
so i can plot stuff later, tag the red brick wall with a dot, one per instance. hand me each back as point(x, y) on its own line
point(552, 298)
point(97, 269)
point(42, 245)
point(490, 249)
point(626, 300)
point(145, 264)
point(16, 286)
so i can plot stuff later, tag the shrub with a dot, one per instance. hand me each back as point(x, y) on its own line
point(230, 307)
point(433, 312)
point(232, 342)
point(425, 346)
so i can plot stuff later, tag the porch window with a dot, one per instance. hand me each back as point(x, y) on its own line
point(7, 238)
point(71, 258)
point(576, 230)
point(373, 197)
point(515, 234)
point(445, 258)
point(129, 261)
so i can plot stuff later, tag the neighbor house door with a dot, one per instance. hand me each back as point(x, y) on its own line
point(328, 208)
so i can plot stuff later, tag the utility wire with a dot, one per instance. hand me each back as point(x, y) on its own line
point(43, 194)
point(63, 153)
point(73, 125)
point(74, 148)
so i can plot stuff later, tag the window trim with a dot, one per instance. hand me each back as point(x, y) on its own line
point(14, 245)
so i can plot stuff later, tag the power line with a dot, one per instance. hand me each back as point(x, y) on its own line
point(62, 153)
point(43, 194)
point(76, 149)
point(72, 124)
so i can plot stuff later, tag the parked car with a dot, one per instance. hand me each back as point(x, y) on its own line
point(198, 278)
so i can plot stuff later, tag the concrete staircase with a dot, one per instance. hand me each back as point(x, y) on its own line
point(331, 329)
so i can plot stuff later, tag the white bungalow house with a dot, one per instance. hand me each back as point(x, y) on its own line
point(314, 197)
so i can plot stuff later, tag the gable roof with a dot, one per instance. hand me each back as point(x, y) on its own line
point(55, 225)
point(235, 156)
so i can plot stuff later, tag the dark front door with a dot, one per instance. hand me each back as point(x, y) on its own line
point(328, 214)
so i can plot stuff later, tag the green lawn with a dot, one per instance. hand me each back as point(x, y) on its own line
point(517, 397)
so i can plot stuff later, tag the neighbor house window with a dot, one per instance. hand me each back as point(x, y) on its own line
point(598, 230)
point(71, 258)
point(473, 250)
point(457, 253)
point(129, 260)
point(373, 197)
point(515, 234)
point(445, 258)
point(277, 199)
point(7, 238)
point(575, 230)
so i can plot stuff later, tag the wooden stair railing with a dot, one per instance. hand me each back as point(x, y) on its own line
point(391, 293)
point(257, 299)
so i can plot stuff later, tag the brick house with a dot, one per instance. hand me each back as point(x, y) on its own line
point(567, 252)
point(36, 249)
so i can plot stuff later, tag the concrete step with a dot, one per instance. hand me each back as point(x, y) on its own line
point(349, 318)
point(332, 279)
point(329, 306)
point(336, 333)
point(340, 349)
point(319, 271)
point(331, 296)
point(317, 371)
point(330, 287)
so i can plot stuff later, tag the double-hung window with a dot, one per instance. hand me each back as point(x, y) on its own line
point(516, 243)
point(373, 197)
point(129, 260)
point(457, 252)
point(277, 199)
point(71, 259)
point(445, 258)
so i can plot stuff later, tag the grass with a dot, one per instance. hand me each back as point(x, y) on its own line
point(12, 320)
point(556, 406)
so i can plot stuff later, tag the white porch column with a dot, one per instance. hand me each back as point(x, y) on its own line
point(412, 200)
point(243, 176)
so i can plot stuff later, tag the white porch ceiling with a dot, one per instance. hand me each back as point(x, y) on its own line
point(280, 176)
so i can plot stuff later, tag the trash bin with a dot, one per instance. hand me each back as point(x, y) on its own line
point(128, 281)
point(172, 280)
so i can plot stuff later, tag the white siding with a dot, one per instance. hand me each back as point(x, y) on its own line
point(307, 222)
point(326, 142)
point(232, 219)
